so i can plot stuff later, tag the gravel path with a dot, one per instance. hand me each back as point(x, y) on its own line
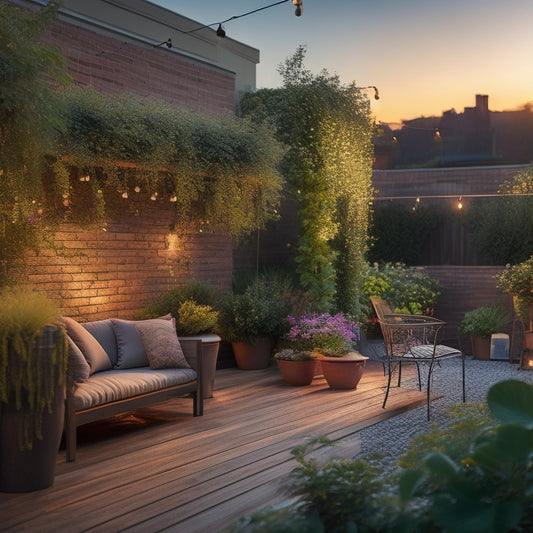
point(391, 437)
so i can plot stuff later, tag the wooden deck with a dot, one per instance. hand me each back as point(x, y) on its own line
point(160, 468)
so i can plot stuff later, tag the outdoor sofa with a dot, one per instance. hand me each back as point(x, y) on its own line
point(119, 365)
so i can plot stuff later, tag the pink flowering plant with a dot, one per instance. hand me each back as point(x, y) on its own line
point(331, 335)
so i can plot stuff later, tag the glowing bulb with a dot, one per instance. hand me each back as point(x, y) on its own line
point(174, 198)
point(153, 197)
point(125, 194)
point(137, 189)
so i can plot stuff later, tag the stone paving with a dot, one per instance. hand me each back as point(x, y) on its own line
point(391, 437)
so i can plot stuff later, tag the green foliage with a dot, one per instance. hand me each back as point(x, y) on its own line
point(328, 165)
point(474, 476)
point(517, 280)
point(219, 172)
point(29, 127)
point(398, 233)
point(503, 227)
point(29, 376)
point(484, 321)
point(407, 289)
point(260, 311)
point(195, 306)
point(194, 319)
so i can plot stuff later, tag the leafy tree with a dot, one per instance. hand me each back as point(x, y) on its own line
point(328, 165)
point(503, 227)
point(29, 123)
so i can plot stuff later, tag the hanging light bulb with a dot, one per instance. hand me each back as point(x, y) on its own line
point(125, 194)
point(137, 189)
point(220, 31)
point(154, 196)
point(460, 203)
point(299, 7)
point(174, 198)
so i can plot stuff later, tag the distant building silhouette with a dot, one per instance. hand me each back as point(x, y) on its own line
point(477, 136)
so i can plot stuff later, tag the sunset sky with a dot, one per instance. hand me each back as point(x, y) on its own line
point(425, 56)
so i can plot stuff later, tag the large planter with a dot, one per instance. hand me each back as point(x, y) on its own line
point(30, 470)
point(344, 372)
point(297, 373)
point(254, 356)
point(210, 346)
point(481, 348)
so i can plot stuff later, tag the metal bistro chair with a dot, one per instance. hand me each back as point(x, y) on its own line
point(414, 339)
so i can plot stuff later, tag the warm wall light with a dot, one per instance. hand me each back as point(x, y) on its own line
point(526, 360)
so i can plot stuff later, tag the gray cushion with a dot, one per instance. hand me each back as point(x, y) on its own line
point(130, 349)
point(102, 331)
point(78, 367)
point(91, 349)
point(161, 344)
point(114, 385)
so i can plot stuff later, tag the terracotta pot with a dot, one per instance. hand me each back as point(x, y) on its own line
point(481, 348)
point(297, 373)
point(210, 347)
point(344, 372)
point(254, 356)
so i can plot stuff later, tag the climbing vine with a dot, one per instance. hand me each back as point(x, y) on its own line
point(327, 129)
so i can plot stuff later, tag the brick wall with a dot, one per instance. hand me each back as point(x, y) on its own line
point(116, 66)
point(98, 274)
point(116, 272)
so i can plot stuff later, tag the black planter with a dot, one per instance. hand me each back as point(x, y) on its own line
point(29, 470)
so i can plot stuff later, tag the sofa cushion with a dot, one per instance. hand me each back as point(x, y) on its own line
point(102, 331)
point(130, 349)
point(114, 385)
point(161, 344)
point(91, 349)
point(78, 367)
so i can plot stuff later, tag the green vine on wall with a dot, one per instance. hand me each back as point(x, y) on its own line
point(328, 165)
point(64, 152)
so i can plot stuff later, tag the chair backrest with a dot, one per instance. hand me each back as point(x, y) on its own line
point(381, 307)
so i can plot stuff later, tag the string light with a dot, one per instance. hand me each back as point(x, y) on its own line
point(460, 203)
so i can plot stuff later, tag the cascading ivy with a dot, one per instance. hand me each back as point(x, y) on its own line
point(328, 165)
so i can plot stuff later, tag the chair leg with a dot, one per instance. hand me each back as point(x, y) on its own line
point(399, 373)
point(430, 370)
point(388, 385)
point(419, 377)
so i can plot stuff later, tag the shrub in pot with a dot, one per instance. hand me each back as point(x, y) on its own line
point(33, 368)
point(193, 307)
point(252, 320)
point(479, 324)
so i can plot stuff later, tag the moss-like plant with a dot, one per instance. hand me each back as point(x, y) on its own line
point(29, 376)
point(194, 319)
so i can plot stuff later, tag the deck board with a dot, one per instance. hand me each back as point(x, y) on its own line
point(160, 468)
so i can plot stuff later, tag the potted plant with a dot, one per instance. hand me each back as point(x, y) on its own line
point(517, 280)
point(192, 306)
point(33, 368)
point(332, 338)
point(252, 320)
point(479, 324)
point(296, 367)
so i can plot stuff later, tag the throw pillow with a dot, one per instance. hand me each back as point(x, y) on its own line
point(102, 331)
point(91, 349)
point(161, 344)
point(130, 349)
point(78, 367)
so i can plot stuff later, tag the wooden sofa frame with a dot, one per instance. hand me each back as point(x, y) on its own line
point(74, 418)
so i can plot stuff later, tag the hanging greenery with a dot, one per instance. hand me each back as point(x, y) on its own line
point(328, 165)
point(33, 357)
point(64, 154)
point(29, 123)
point(219, 171)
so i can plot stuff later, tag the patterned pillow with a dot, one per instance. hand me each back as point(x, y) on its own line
point(161, 344)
